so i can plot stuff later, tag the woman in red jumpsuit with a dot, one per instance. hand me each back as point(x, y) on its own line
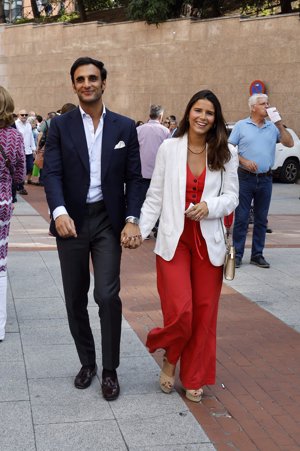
point(194, 185)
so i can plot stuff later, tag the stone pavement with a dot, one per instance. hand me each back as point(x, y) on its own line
point(255, 404)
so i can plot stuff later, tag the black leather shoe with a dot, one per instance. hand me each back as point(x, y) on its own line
point(269, 230)
point(85, 376)
point(260, 261)
point(238, 262)
point(110, 386)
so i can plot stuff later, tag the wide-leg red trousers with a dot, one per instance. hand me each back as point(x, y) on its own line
point(189, 287)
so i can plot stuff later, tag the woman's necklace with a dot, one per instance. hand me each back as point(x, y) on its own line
point(198, 153)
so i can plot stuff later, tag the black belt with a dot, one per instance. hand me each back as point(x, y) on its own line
point(95, 207)
point(260, 174)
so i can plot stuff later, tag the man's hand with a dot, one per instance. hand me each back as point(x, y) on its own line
point(248, 164)
point(131, 236)
point(65, 226)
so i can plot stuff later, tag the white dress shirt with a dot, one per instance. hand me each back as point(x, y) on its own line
point(94, 145)
point(26, 131)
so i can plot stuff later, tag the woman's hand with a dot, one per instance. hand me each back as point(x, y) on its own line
point(197, 212)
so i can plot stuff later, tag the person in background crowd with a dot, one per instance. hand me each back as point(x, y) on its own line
point(166, 122)
point(173, 125)
point(12, 169)
point(25, 128)
point(138, 123)
point(67, 107)
point(39, 120)
point(33, 122)
point(41, 141)
point(256, 139)
point(193, 186)
point(150, 136)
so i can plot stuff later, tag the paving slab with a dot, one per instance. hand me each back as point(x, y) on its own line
point(101, 435)
point(40, 308)
point(173, 429)
point(16, 428)
point(51, 361)
point(56, 400)
point(13, 386)
point(276, 289)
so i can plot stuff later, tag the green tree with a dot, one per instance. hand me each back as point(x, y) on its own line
point(152, 11)
point(263, 5)
point(156, 11)
point(94, 5)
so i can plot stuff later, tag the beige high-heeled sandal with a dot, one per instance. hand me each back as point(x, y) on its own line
point(166, 382)
point(194, 395)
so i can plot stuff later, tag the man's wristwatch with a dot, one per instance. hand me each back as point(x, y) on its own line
point(132, 220)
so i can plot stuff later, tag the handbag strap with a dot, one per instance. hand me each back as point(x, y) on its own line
point(226, 237)
point(7, 161)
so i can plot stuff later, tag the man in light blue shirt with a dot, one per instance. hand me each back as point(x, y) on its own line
point(256, 139)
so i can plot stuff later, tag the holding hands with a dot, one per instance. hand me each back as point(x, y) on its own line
point(131, 237)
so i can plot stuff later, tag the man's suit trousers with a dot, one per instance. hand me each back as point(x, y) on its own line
point(96, 240)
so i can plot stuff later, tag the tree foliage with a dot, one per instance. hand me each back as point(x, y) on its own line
point(152, 11)
point(156, 11)
point(266, 6)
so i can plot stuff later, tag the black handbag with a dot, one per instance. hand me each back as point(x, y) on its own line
point(7, 161)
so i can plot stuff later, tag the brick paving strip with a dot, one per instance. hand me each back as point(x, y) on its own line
point(255, 404)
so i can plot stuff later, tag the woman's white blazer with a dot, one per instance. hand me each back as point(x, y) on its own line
point(166, 200)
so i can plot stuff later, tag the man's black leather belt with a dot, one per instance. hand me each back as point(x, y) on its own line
point(260, 174)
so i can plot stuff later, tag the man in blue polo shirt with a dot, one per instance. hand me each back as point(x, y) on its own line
point(256, 139)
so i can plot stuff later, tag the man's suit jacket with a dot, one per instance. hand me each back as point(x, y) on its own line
point(166, 198)
point(66, 172)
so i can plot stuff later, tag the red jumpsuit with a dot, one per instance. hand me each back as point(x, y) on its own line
point(189, 287)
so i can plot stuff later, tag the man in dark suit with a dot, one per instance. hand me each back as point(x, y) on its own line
point(92, 178)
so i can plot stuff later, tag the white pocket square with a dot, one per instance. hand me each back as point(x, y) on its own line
point(119, 145)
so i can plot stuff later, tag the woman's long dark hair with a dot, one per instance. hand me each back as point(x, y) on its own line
point(217, 145)
point(6, 108)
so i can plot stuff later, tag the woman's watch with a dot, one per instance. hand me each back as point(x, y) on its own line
point(132, 220)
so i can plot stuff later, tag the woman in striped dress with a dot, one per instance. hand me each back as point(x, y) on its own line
point(12, 168)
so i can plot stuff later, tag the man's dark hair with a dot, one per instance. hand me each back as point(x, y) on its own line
point(67, 107)
point(83, 61)
point(172, 117)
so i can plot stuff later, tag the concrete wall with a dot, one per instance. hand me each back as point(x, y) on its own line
point(165, 64)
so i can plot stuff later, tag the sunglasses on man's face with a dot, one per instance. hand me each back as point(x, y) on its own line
point(24, 115)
